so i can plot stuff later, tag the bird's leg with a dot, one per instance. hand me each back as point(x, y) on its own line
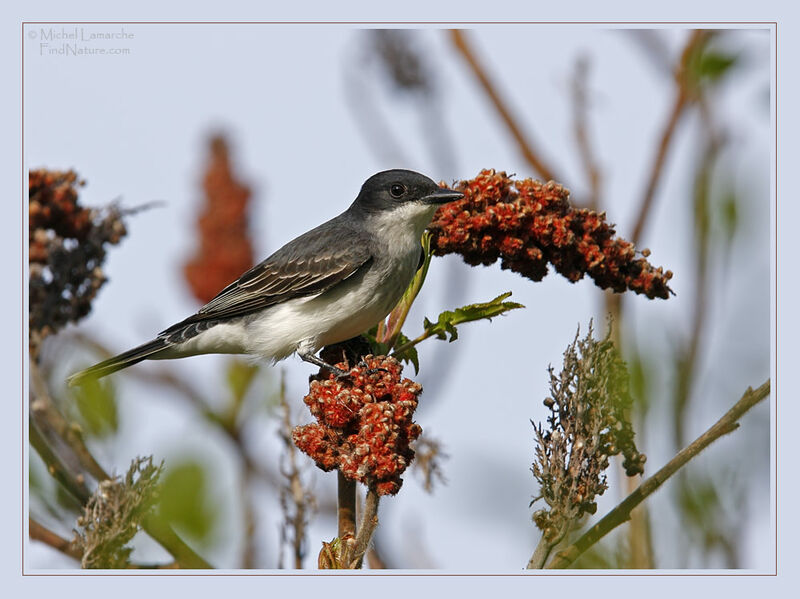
point(307, 356)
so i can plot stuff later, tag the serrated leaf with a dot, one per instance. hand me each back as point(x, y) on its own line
point(446, 324)
point(409, 355)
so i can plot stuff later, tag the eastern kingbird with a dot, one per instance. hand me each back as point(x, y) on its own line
point(328, 285)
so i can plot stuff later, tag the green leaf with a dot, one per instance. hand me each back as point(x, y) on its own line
point(408, 355)
point(97, 405)
point(712, 65)
point(446, 324)
point(185, 502)
point(707, 65)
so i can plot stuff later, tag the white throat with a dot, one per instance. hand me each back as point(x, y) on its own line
point(402, 227)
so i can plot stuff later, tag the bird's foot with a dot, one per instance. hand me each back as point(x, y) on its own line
point(312, 359)
point(369, 371)
point(340, 374)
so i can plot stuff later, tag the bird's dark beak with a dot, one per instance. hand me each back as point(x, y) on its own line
point(442, 195)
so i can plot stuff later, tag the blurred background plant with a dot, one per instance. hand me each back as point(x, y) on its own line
point(235, 490)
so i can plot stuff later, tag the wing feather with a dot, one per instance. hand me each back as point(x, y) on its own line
point(309, 265)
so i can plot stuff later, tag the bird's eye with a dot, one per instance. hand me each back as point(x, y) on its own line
point(397, 190)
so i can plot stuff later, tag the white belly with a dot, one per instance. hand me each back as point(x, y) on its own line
point(345, 311)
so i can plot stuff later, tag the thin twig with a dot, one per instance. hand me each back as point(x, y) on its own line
point(646, 203)
point(581, 130)
point(38, 532)
point(144, 207)
point(163, 533)
point(526, 147)
point(543, 550)
point(620, 514)
point(687, 364)
point(73, 483)
point(369, 521)
point(347, 505)
point(49, 417)
point(683, 99)
point(293, 488)
point(409, 344)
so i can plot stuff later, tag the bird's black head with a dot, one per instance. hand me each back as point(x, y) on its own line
point(388, 190)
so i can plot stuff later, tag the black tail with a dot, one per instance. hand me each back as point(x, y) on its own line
point(123, 360)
